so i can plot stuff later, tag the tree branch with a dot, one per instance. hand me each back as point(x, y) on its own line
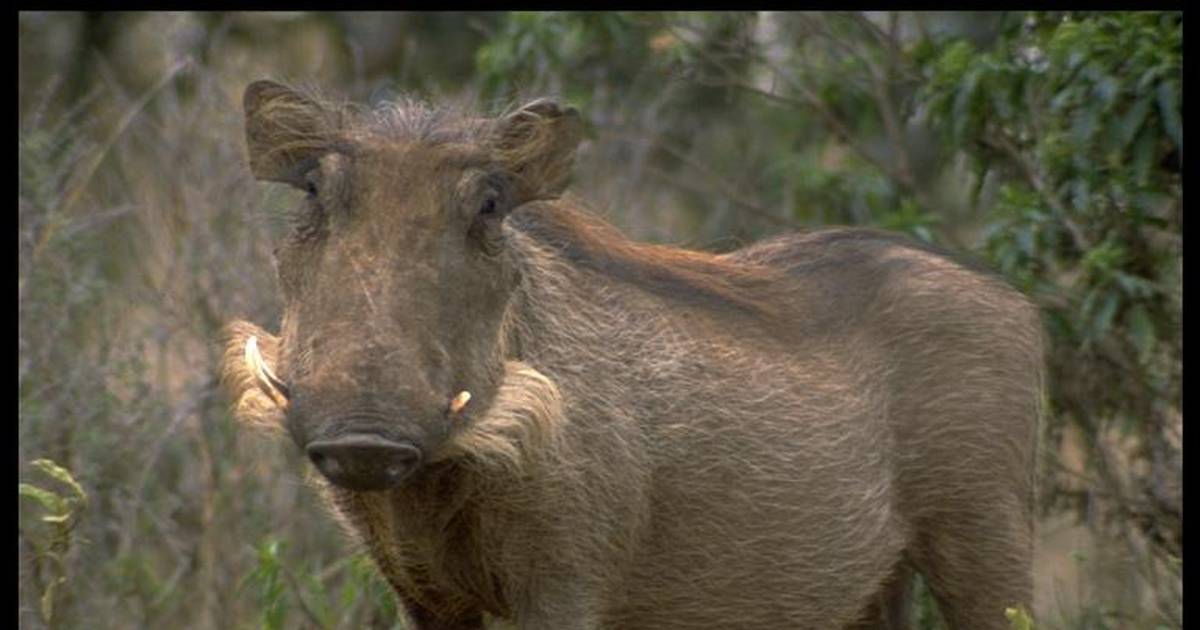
point(729, 190)
point(1029, 171)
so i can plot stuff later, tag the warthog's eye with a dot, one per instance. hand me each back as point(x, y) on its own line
point(310, 185)
point(483, 199)
point(308, 218)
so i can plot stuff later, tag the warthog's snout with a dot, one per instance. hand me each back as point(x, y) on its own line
point(363, 461)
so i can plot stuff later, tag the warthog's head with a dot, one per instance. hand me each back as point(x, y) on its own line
point(396, 277)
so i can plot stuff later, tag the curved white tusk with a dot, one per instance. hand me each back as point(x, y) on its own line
point(266, 378)
point(460, 401)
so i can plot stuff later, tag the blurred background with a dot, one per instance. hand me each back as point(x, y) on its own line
point(1049, 145)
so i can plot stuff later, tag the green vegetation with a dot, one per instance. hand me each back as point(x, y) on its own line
point(1019, 618)
point(52, 542)
point(1049, 145)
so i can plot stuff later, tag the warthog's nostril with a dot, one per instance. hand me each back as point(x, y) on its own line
point(364, 462)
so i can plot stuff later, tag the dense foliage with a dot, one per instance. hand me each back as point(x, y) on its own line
point(1048, 144)
point(1086, 111)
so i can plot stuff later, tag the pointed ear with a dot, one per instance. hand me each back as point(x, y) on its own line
point(537, 143)
point(286, 132)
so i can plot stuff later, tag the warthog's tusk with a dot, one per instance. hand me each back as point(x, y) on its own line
point(460, 401)
point(266, 378)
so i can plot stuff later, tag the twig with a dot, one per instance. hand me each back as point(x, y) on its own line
point(810, 100)
point(86, 173)
point(901, 173)
point(191, 406)
point(887, 40)
point(883, 100)
point(728, 189)
point(834, 123)
point(748, 205)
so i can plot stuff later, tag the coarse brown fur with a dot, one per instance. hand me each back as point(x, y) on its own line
point(658, 438)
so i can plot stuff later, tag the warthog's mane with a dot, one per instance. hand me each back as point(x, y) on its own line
point(693, 278)
point(319, 121)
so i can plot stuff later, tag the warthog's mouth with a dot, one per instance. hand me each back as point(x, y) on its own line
point(518, 424)
point(355, 461)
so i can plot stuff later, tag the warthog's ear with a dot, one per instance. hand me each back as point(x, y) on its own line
point(537, 143)
point(286, 132)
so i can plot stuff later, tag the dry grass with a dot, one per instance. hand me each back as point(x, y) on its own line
point(139, 234)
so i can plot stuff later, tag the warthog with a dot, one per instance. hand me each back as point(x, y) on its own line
point(522, 414)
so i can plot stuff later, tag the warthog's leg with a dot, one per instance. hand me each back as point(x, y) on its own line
point(425, 619)
point(890, 609)
point(558, 601)
point(978, 564)
point(428, 613)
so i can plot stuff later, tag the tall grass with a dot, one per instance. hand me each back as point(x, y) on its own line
point(139, 234)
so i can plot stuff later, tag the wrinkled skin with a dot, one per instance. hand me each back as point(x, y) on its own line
point(524, 415)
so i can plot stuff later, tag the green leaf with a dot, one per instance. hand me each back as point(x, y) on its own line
point(1102, 321)
point(1150, 75)
point(1064, 99)
point(1143, 156)
point(1084, 125)
point(49, 499)
point(1141, 331)
point(1107, 89)
point(1081, 195)
point(48, 601)
point(1025, 241)
point(1018, 618)
point(964, 105)
point(1134, 286)
point(1005, 100)
point(1147, 204)
point(1132, 121)
point(1104, 258)
point(58, 472)
point(1168, 107)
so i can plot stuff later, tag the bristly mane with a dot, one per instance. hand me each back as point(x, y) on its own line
point(404, 117)
point(694, 277)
